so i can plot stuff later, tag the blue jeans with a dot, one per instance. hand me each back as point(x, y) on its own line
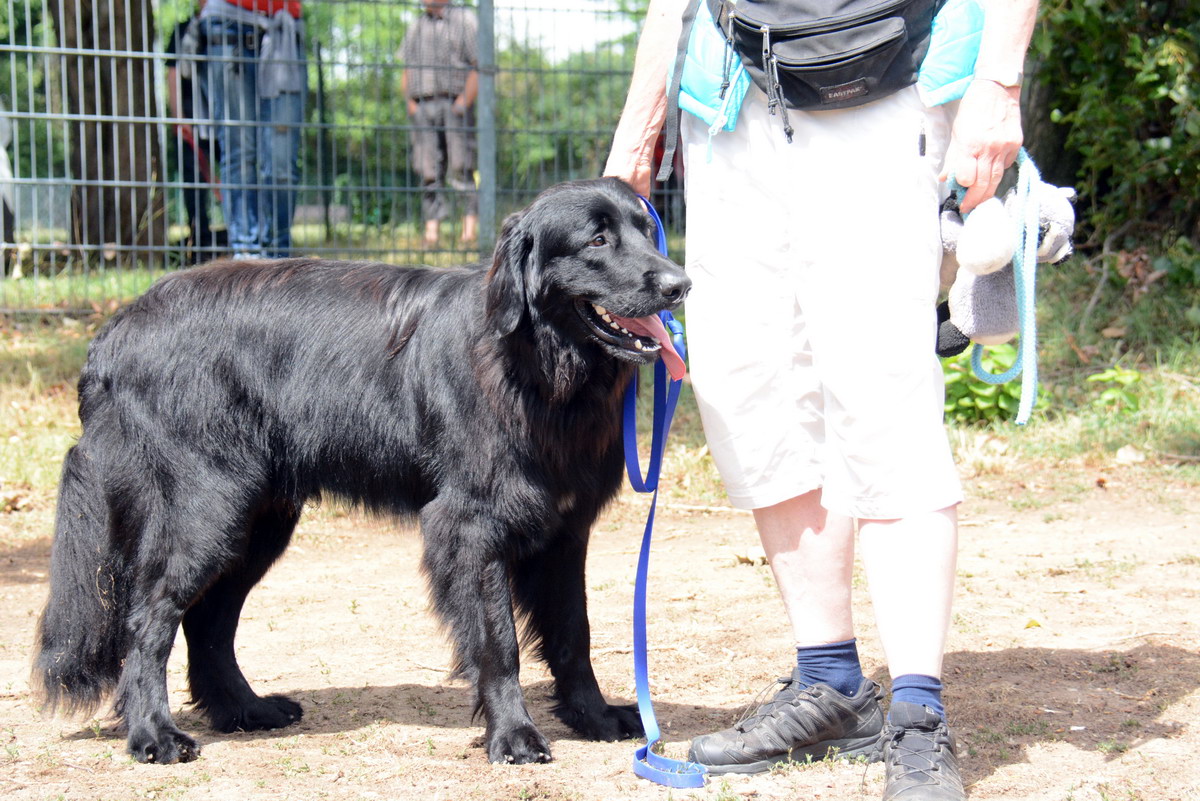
point(260, 167)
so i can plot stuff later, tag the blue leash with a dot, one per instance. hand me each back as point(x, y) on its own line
point(646, 763)
point(1025, 278)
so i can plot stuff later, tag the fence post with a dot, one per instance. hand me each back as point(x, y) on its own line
point(486, 122)
point(324, 177)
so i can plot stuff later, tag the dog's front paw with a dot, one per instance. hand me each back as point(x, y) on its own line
point(627, 719)
point(264, 714)
point(519, 745)
point(607, 722)
point(164, 746)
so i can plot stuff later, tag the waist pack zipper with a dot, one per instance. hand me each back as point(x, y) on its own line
point(837, 58)
point(774, 90)
point(819, 26)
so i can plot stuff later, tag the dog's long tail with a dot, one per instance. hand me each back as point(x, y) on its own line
point(81, 637)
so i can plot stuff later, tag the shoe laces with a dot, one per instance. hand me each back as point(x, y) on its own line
point(918, 751)
point(757, 710)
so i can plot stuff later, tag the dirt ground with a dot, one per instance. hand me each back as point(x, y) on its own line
point(1073, 665)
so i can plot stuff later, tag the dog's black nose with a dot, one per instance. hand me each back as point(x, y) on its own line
point(674, 287)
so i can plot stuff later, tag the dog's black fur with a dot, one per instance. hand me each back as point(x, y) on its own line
point(485, 401)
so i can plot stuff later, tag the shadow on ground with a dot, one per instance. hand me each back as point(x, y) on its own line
point(1002, 702)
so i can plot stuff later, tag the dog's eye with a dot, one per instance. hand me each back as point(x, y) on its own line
point(598, 241)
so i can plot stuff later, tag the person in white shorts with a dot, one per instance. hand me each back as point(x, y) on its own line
point(811, 333)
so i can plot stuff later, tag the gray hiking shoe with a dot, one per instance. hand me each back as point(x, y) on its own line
point(799, 724)
point(920, 756)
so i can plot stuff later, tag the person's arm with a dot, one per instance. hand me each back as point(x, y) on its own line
point(185, 129)
point(470, 92)
point(406, 55)
point(173, 91)
point(409, 101)
point(987, 129)
point(469, 53)
point(645, 109)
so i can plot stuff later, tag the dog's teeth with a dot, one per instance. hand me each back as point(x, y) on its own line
point(606, 318)
point(600, 310)
point(624, 330)
point(637, 343)
point(615, 325)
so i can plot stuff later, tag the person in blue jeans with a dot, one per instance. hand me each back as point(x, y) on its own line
point(257, 81)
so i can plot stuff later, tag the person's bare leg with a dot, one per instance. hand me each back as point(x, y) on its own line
point(812, 556)
point(470, 229)
point(811, 552)
point(910, 565)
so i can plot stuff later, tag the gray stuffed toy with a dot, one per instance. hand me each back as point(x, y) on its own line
point(977, 264)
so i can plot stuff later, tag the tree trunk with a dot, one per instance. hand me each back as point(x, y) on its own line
point(1044, 139)
point(116, 207)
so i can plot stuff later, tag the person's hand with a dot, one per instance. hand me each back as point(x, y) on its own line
point(636, 173)
point(412, 107)
point(985, 140)
point(461, 105)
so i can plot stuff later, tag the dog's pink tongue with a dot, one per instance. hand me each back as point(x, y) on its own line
point(653, 327)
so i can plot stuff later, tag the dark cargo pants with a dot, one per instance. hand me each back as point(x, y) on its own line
point(443, 154)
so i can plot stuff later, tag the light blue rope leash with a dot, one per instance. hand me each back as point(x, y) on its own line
point(1025, 278)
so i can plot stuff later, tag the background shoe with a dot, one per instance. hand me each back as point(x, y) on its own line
point(920, 755)
point(799, 724)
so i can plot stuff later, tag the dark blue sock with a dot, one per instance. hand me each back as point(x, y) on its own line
point(914, 688)
point(835, 664)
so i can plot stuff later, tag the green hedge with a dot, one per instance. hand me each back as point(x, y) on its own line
point(1119, 81)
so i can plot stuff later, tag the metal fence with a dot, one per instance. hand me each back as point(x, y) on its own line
point(100, 183)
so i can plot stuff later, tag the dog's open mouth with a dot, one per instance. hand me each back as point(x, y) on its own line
point(645, 335)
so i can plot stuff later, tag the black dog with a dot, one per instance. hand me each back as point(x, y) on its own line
point(484, 402)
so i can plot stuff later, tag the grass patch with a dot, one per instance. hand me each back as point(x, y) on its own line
point(1165, 424)
point(39, 364)
point(393, 244)
point(94, 290)
point(1120, 373)
point(1035, 728)
point(52, 280)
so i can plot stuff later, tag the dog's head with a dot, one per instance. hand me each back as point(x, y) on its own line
point(583, 257)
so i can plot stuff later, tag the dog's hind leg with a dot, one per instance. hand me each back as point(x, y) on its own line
point(142, 692)
point(549, 588)
point(187, 541)
point(217, 684)
point(170, 573)
point(470, 584)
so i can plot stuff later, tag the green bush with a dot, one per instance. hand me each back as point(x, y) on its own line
point(1120, 77)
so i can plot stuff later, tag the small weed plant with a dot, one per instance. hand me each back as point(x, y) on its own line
point(1120, 391)
point(970, 400)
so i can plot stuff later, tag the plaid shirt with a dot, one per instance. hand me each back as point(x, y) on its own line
point(439, 52)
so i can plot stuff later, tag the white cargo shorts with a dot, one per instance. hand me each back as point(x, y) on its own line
point(811, 324)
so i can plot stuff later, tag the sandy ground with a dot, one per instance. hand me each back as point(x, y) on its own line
point(1073, 666)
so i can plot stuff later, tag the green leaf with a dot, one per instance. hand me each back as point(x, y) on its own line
point(986, 390)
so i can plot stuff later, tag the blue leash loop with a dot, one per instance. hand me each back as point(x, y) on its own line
point(1025, 278)
point(646, 763)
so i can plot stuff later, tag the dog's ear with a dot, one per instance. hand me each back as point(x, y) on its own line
point(512, 281)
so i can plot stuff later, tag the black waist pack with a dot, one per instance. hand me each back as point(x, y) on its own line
point(827, 54)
